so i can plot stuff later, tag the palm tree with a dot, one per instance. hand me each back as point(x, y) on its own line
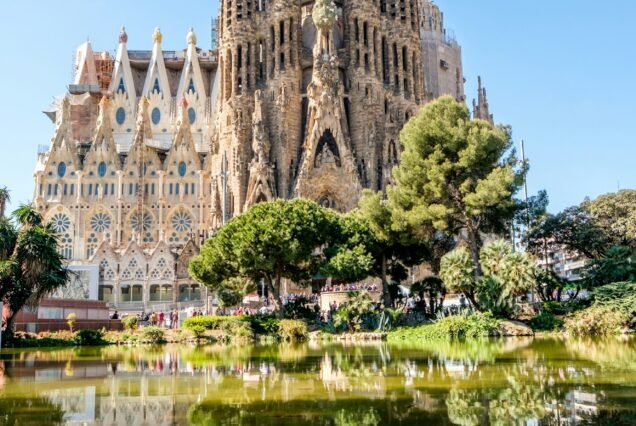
point(31, 266)
point(4, 199)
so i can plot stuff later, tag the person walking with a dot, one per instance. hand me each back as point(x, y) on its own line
point(174, 319)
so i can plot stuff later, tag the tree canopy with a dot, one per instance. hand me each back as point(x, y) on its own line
point(456, 174)
point(31, 266)
point(270, 241)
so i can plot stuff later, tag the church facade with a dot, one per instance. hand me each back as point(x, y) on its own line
point(153, 150)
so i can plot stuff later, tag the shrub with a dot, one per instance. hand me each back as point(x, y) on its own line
point(89, 337)
point(614, 291)
point(152, 334)
point(545, 321)
point(130, 322)
point(211, 322)
point(293, 330)
point(198, 331)
point(455, 326)
point(353, 311)
point(596, 321)
point(264, 324)
point(555, 308)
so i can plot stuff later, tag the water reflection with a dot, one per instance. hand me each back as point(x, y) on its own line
point(499, 382)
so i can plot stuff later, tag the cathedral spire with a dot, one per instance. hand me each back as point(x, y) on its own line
point(481, 109)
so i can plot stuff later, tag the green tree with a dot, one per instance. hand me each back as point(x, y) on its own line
point(270, 241)
point(5, 198)
point(616, 265)
point(574, 229)
point(372, 242)
point(31, 266)
point(615, 214)
point(506, 275)
point(456, 175)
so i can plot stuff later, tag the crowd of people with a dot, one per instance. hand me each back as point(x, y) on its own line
point(350, 287)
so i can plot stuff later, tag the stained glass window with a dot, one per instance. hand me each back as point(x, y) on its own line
point(122, 87)
point(156, 115)
point(182, 169)
point(192, 115)
point(61, 169)
point(120, 115)
point(182, 221)
point(143, 221)
point(100, 222)
point(61, 223)
point(101, 169)
point(155, 88)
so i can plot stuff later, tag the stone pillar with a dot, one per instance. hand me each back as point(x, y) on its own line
point(120, 202)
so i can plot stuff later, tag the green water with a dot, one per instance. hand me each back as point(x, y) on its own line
point(503, 382)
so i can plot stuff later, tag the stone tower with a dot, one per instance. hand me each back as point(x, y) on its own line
point(153, 150)
point(442, 55)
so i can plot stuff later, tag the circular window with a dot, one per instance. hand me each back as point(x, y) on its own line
point(192, 115)
point(100, 222)
point(156, 116)
point(60, 223)
point(120, 115)
point(141, 222)
point(101, 169)
point(61, 169)
point(182, 169)
point(182, 221)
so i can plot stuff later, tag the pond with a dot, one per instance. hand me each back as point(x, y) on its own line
point(537, 381)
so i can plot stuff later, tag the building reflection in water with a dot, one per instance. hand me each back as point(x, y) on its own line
point(454, 384)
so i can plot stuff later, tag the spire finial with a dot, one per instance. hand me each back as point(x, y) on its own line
point(191, 38)
point(123, 37)
point(157, 37)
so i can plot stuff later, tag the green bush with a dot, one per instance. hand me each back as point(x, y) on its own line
point(596, 321)
point(455, 326)
point(130, 322)
point(615, 291)
point(89, 337)
point(545, 321)
point(212, 322)
point(555, 308)
point(152, 334)
point(264, 325)
point(293, 330)
point(198, 331)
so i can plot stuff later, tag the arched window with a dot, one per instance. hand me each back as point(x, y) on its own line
point(121, 88)
point(155, 87)
point(191, 88)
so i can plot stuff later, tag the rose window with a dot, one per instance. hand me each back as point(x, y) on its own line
point(182, 221)
point(61, 223)
point(100, 222)
point(141, 222)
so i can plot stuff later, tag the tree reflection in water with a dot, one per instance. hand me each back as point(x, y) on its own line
point(500, 382)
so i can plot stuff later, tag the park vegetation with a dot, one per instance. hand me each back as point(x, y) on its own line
point(452, 205)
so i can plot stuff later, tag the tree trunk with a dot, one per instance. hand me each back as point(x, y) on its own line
point(274, 289)
point(470, 295)
point(473, 245)
point(386, 295)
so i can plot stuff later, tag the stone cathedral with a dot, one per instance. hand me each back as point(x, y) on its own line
point(153, 150)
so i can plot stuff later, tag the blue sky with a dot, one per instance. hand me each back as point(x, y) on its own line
point(561, 73)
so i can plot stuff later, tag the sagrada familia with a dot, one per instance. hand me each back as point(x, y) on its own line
point(154, 150)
